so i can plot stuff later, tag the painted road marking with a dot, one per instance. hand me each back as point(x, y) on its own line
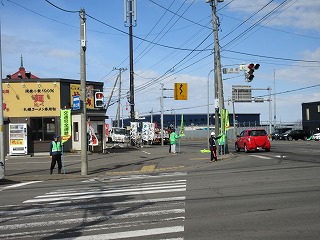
point(130, 234)
point(159, 214)
point(146, 152)
point(149, 168)
point(18, 185)
point(259, 156)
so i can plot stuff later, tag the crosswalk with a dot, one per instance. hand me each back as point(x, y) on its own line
point(141, 207)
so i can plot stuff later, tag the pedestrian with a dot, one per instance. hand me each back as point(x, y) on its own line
point(173, 141)
point(213, 147)
point(55, 154)
point(169, 132)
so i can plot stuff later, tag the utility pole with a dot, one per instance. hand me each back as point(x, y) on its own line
point(270, 112)
point(119, 96)
point(151, 117)
point(130, 9)
point(274, 100)
point(217, 67)
point(83, 48)
point(208, 109)
point(2, 155)
point(161, 106)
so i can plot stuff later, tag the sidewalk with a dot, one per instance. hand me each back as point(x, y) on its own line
point(124, 161)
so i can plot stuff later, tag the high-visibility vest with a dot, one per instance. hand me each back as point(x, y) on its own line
point(56, 146)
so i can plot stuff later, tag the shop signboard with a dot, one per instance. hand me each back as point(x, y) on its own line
point(30, 99)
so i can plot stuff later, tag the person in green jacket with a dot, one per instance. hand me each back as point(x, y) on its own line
point(173, 141)
point(55, 154)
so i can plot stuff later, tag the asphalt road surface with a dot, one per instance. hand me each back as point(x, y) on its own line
point(256, 195)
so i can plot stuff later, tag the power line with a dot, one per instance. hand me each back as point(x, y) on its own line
point(277, 58)
point(292, 90)
point(180, 16)
point(61, 8)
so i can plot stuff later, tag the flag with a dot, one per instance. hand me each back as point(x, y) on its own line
point(93, 140)
point(65, 117)
point(182, 126)
point(222, 121)
point(227, 123)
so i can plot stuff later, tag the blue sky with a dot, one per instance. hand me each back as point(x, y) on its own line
point(173, 43)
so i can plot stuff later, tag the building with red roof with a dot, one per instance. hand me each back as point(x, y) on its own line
point(22, 73)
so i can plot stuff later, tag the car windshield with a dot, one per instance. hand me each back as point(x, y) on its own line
point(257, 133)
point(121, 131)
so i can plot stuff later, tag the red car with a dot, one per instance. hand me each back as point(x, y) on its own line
point(253, 139)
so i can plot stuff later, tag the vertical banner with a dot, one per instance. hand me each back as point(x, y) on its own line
point(133, 130)
point(222, 140)
point(65, 117)
point(93, 140)
point(106, 134)
point(145, 131)
point(222, 121)
point(182, 126)
point(227, 123)
point(151, 132)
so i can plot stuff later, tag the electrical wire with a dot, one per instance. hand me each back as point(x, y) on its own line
point(61, 8)
point(180, 16)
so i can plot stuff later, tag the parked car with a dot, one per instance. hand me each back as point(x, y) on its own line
point(316, 135)
point(253, 139)
point(294, 134)
point(277, 132)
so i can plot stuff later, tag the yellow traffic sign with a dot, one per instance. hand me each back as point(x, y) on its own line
point(181, 91)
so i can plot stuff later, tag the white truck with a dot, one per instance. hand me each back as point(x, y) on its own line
point(117, 135)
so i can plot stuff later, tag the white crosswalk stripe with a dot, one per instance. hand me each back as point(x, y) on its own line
point(143, 209)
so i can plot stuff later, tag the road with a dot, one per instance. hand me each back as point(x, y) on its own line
point(256, 195)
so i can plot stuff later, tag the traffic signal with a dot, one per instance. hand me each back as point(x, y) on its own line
point(98, 100)
point(251, 68)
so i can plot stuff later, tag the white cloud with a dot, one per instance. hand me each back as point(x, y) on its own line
point(300, 14)
point(62, 54)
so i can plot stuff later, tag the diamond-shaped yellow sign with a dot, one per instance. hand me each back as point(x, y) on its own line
point(180, 91)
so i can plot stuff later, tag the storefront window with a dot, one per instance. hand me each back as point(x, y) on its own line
point(42, 128)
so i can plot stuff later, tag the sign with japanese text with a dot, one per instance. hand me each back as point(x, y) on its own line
point(76, 102)
point(65, 117)
point(75, 91)
point(31, 99)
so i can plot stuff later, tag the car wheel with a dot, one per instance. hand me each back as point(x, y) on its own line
point(267, 149)
point(290, 138)
point(246, 149)
point(305, 138)
point(237, 148)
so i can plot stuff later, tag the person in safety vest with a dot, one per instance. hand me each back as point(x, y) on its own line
point(173, 141)
point(55, 154)
point(213, 148)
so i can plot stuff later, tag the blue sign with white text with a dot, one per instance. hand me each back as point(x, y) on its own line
point(76, 103)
